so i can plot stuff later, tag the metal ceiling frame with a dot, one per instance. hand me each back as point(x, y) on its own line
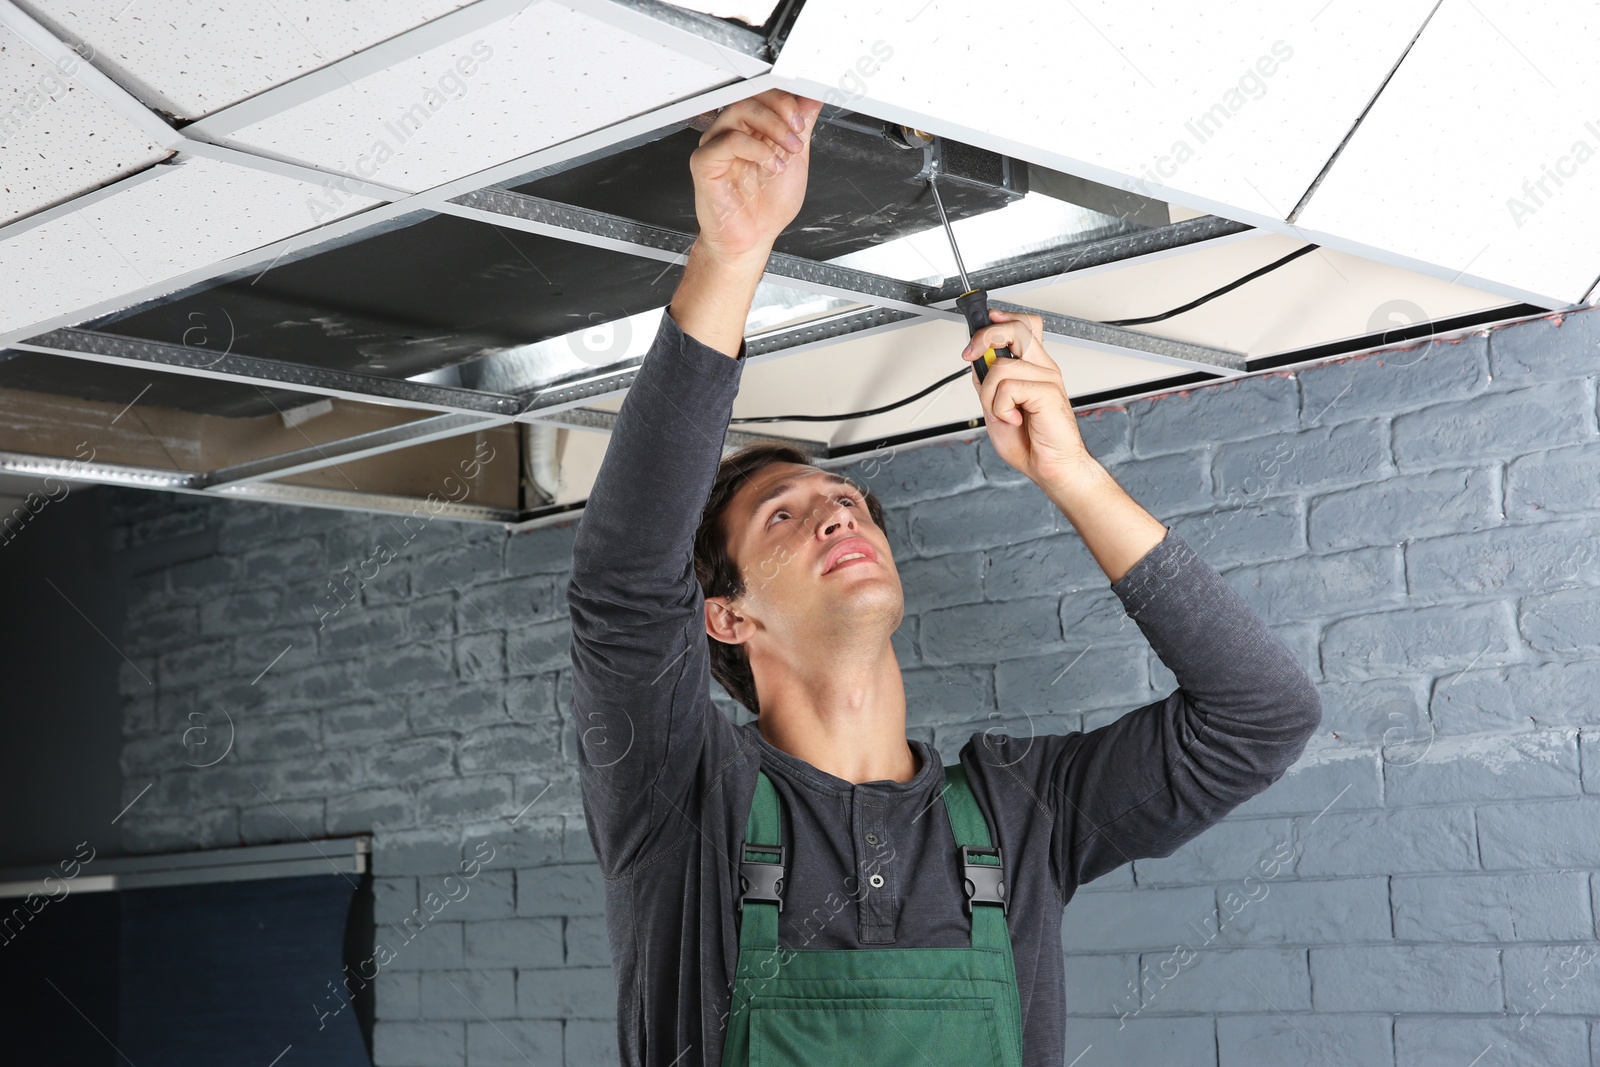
point(347, 449)
point(483, 197)
point(460, 411)
point(353, 226)
point(598, 229)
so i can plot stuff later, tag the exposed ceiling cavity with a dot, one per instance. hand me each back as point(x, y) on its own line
point(362, 244)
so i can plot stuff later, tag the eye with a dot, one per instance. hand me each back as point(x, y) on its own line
point(846, 497)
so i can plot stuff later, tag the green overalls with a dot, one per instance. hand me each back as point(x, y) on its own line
point(880, 1007)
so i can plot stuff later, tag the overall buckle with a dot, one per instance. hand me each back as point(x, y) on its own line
point(761, 880)
point(985, 883)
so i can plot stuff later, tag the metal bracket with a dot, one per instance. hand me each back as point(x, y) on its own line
point(984, 883)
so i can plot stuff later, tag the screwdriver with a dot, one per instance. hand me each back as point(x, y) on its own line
point(974, 303)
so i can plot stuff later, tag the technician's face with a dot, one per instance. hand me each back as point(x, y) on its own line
point(789, 548)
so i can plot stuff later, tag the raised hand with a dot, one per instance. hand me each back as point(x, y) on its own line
point(1025, 405)
point(750, 172)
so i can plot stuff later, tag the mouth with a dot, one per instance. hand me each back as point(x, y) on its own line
point(849, 551)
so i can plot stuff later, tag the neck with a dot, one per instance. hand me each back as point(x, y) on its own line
point(845, 717)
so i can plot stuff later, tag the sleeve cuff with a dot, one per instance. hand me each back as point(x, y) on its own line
point(1164, 563)
point(700, 355)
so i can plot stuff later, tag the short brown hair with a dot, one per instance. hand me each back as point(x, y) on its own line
point(715, 569)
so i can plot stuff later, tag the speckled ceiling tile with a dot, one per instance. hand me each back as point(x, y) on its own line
point(186, 216)
point(57, 140)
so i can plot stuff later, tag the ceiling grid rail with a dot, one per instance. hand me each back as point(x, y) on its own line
point(451, 411)
point(602, 230)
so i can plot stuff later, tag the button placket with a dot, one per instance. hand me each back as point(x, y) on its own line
point(880, 905)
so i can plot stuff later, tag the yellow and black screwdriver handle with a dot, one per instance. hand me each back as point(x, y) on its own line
point(974, 304)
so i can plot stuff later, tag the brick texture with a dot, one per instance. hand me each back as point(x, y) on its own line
point(1418, 525)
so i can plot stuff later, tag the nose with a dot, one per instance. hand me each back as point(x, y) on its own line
point(835, 515)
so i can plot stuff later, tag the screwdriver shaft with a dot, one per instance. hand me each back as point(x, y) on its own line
point(960, 267)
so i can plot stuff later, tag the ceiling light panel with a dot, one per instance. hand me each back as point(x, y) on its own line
point(191, 57)
point(521, 83)
point(1239, 104)
point(156, 225)
point(1030, 226)
point(57, 139)
point(1482, 157)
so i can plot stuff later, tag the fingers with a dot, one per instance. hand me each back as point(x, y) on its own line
point(1015, 371)
point(735, 144)
point(1015, 395)
point(1035, 323)
point(1023, 333)
point(767, 115)
point(799, 113)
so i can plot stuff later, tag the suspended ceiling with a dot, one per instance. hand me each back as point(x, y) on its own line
point(357, 247)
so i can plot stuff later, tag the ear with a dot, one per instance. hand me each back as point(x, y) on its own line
point(723, 622)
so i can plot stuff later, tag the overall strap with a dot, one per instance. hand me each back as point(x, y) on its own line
point(982, 864)
point(763, 860)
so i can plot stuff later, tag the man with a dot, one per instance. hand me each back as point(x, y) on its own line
point(682, 567)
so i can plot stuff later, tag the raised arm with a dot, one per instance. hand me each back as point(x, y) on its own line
point(1160, 775)
point(1243, 710)
point(640, 661)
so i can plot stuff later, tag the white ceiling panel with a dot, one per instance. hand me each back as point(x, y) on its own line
point(157, 225)
point(522, 83)
point(1323, 296)
point(192, 57)
point(1232, 108)
point(1483, 154)
point(57, 139)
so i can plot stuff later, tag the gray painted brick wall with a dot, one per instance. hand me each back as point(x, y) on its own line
point(1419, 528)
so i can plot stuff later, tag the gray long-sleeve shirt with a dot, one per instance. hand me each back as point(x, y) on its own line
point(668, 780)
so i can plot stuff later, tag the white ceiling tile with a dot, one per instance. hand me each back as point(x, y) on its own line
point(1115, 92)
point(184, 217)
point(1483, 154)
point(57, 139)
point(520, 84)
point(192, 57)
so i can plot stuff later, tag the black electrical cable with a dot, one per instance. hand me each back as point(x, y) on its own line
point(858, 414)
point(1230, 287)
point(1190, 306)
